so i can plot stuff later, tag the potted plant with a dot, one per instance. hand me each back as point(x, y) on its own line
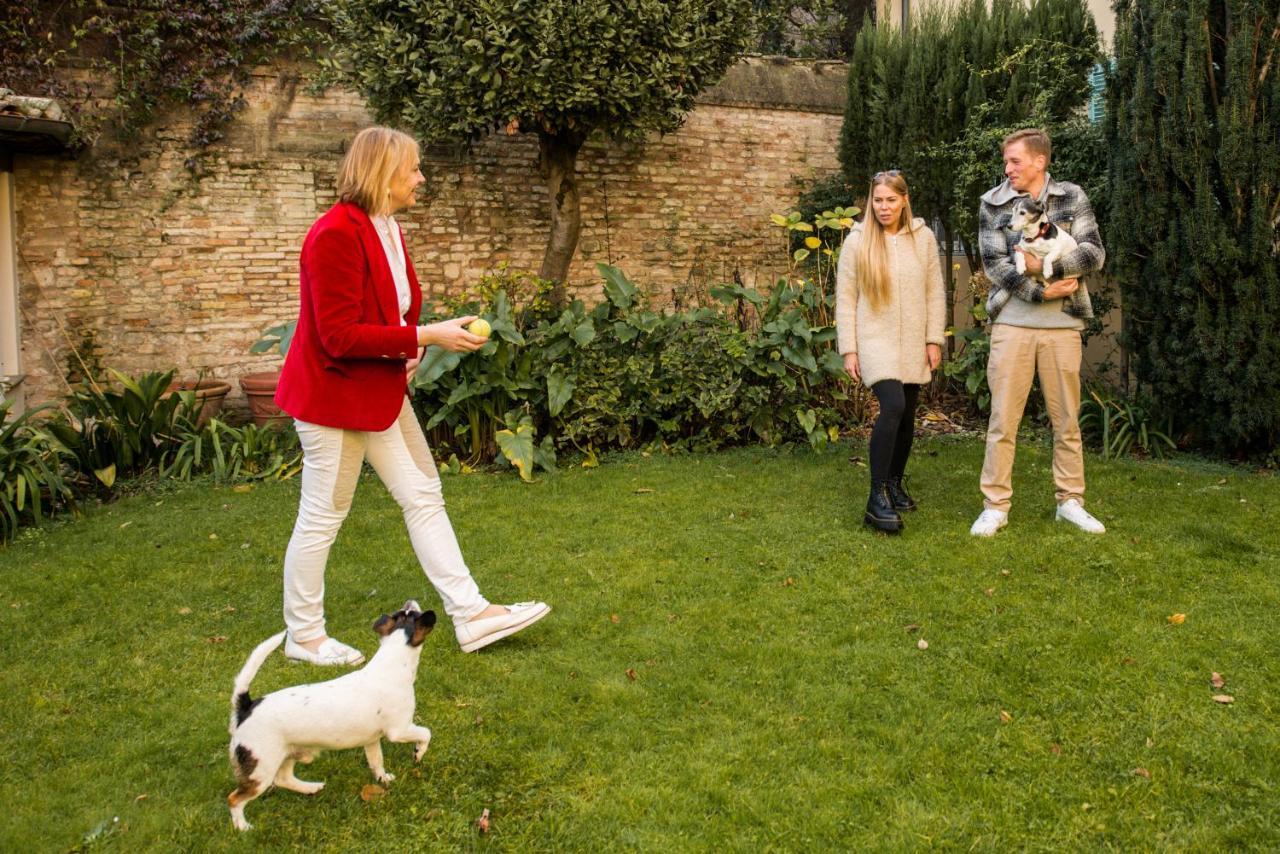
point(260, 387)
point(209, 395)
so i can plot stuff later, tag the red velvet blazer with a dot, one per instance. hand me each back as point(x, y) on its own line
point(346, 364)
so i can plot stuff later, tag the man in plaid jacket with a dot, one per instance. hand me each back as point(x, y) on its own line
point(1035, 329)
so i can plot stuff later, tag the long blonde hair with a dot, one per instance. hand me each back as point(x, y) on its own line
point(873, 261)
point(364, 176)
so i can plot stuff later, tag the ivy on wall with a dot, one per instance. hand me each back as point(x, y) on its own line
point(113, 63)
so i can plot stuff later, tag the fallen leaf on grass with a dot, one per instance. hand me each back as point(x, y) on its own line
point(213, 536)
point(482, 823)
point(1176, 619)
point(643, 491)
point(615, 619)
point(788, 582)
point(1055, 749)
point(1006, 573)
point(242, 487)
point(1128, 662)
point(631, 674)
point(140, 798)
point(922, 644)
point(1142, 772)
point(371, 793)
point(184, 611)
point(989, 592)
point(1005, 717)
point(1224, 699)
point(1216, 680)
point(911, 627)
point(857, 461)
point(218, 639)
point(124, 525)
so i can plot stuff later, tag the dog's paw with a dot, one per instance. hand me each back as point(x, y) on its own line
point(1020, 263)
point(421, 750)
point(310, 788)
point(385, 777)
point(1048, 270)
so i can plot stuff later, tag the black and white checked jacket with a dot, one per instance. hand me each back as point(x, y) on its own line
point(1068, 209)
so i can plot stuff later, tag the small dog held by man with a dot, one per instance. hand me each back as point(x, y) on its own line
point(272, 733)
point(1039, 236)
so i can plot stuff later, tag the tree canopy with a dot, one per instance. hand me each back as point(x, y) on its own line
point(562, 69)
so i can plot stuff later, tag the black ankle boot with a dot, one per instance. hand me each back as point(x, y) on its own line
point(902, 500)
point(880, 513)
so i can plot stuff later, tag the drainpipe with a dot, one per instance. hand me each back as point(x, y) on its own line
point(11, 375)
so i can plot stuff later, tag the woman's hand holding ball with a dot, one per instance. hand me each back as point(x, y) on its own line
point(454, 335)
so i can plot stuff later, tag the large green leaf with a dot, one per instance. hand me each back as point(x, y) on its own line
point(584, 333)
point(436, 362)
point(617, 288)
point(517, 447)
point(559, 391)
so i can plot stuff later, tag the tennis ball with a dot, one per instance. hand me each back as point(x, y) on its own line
point(479, 327)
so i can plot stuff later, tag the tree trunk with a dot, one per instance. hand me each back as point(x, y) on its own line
point(558, 163)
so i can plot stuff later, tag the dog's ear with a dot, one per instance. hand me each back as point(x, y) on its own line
point(384, 625)
point(422, 627)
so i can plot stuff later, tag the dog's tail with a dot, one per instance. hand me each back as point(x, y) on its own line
point(241, 703)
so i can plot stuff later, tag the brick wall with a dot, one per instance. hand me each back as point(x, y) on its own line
point(121, 248)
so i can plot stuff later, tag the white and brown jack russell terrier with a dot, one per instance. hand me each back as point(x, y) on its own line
point(1039, 236)
point(270, 734)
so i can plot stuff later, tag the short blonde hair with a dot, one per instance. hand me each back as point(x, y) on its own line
point(1036, 141)
point(364, 176)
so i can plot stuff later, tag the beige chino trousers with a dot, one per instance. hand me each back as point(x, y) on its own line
point(330, 471)
point(1018, 354)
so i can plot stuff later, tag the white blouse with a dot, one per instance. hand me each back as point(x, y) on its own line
point(389, 234)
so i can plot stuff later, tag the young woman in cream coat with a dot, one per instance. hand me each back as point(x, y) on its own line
point(890, 321)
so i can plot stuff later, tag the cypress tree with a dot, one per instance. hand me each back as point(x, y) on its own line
point(1193, 134)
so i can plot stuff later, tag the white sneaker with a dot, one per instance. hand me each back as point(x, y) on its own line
point(474, 634)
point(989, 522)
point(332, 652)
point(1073, 512)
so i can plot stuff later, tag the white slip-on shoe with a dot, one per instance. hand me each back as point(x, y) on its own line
point(988, 522)
point(474, 634)
point(332, 653)
point(1074, 512)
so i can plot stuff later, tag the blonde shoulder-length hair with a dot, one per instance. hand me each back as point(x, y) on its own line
point(873, 261)
point(375, 155)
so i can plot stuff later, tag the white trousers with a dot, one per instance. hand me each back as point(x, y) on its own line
point(330, 471)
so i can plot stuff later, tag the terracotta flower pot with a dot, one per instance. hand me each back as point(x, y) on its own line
point(260, 390)
point(210, 394)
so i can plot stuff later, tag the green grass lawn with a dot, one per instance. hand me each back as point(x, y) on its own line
point(731, 662)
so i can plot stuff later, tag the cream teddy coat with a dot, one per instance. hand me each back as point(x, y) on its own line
point(890, 342)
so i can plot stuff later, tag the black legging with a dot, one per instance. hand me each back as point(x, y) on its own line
point(894, 428)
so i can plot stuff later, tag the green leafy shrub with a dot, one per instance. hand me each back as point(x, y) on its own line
point(32, 485)
point(119, 432)
point(230, 453)
point(748, 367)
point(1121, 426)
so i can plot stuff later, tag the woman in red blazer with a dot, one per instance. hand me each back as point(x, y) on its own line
point(345, 382)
